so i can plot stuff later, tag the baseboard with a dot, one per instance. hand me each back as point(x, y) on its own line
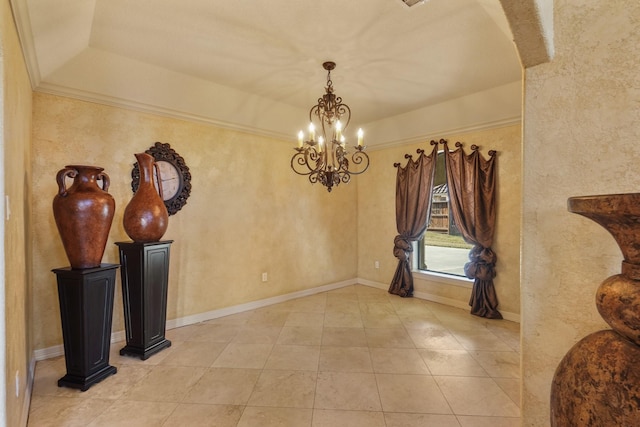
point(513, 317)
point(58, 350)
point(227, 311)
point(26, 403)
point(372, 284)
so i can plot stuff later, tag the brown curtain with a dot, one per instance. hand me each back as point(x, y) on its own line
point(414, 184)
point(472, 193)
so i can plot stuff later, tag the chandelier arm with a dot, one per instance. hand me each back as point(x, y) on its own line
point(360, 158)
point(316, 111)
point(314, 177)
point(304, 158)
point(298, 159)
point(343, 110)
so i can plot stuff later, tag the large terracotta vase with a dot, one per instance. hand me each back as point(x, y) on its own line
point(83, 214)
point(598, 381)
point(146, 217)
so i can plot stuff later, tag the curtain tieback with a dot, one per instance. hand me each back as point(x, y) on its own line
point(482, 263)
point(402, 248)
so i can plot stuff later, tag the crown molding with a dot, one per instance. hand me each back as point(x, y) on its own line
point(436, 135)
point(140, 107)
point(22, 23)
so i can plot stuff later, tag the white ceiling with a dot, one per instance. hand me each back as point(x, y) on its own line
point(257, 65)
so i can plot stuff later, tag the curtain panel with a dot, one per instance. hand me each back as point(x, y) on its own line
point(472, 192)
point(414, 185)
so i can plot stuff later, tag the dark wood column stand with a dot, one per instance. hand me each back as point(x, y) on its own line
point(86, 311)
point(145, 278)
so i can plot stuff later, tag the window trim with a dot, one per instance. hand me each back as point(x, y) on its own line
point(433, 276)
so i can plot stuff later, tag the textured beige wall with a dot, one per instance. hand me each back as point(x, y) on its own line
point(16, 143)
point(581, 134)
point(377, 224)
point(248, 212)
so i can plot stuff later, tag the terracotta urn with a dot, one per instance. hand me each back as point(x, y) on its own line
point(597, 383)
point(83, 214)
point(146, 218)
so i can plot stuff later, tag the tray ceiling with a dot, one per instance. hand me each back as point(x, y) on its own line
point(257, 65)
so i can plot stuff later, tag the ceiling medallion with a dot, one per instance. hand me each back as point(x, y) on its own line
point(325, 159)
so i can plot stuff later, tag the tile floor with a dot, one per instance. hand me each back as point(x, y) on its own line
point(356, 356)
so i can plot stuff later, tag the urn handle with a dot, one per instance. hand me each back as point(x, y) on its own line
point(60, 178)
point(106, 181)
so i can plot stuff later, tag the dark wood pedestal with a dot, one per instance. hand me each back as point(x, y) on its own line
point(86, 311)
point(145, 278)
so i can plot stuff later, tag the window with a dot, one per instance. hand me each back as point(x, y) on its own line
point(442, 249)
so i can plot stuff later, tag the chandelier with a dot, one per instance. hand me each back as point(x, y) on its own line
point(324, 159)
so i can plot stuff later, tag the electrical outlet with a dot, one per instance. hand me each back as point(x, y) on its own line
point(376, 264)
point(264, 277)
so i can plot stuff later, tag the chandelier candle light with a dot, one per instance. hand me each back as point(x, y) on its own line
point(324, 159)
